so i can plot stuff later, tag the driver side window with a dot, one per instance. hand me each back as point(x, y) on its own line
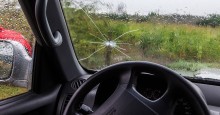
point(16, 49)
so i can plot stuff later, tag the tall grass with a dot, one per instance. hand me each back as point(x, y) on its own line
point(166, 43)
point(178, 41)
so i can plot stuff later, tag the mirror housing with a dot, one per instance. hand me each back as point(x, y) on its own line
point(20, 73)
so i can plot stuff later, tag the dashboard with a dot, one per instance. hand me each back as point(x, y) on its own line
point(153, 87)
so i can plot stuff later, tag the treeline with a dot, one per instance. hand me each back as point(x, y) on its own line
point(212, 20)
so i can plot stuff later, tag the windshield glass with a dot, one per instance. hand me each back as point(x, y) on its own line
point(183, 35)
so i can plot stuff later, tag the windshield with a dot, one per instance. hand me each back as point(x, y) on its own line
point(183, 35)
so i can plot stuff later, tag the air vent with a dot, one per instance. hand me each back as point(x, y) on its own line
point(69, 93)
point(67, 99)
point(77, 83)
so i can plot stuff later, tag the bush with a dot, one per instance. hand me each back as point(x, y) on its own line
point(14, 19)
point(212, 20)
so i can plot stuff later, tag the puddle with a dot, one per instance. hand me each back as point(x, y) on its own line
point(211, 73)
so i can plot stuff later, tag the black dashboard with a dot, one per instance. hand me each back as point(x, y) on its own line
point(153, 87)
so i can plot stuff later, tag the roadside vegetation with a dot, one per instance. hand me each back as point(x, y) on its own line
point(177, 41)
point(13, 18)
point(10, 91)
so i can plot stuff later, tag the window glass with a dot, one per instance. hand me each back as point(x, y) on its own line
point(180, 34)
point(16, 45)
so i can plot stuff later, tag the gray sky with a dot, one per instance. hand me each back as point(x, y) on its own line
point(193, 7)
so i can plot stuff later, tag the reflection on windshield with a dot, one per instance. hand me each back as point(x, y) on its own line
point(184, 39)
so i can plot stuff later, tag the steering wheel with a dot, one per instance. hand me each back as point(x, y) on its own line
point(126, 100)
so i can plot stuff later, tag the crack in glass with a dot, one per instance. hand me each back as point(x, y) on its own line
point(105, 42)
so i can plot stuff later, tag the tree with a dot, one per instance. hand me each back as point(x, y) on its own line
point(213, 20)
point(13, 18)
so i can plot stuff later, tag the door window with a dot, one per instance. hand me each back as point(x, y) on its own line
point(16, 46)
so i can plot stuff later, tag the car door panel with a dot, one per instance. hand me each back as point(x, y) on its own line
point(28, 102)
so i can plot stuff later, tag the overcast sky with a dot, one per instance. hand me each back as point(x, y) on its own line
point(193, 7)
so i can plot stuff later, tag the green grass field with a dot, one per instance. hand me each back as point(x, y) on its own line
point(165, 43)
point(7, 91)
point(179, 41)
point(188, 47)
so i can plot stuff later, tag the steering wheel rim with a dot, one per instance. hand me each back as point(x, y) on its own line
point(128, 95)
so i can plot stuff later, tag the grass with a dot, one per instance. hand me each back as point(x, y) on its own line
point(174, 41)
point(167, 43)
point(7, 91)
point(188, 66)
point(179, 41)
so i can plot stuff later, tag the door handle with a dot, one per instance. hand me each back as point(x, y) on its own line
point(51, 39)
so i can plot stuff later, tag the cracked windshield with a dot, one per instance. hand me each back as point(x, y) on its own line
point(183, 35)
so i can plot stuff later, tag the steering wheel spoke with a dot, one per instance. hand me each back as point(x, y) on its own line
point(124, 102)
point(161, 106)
point(164, 105)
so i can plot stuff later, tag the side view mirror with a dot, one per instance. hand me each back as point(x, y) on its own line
point(15, 64)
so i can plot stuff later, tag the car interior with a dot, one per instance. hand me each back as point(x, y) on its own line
point(62, 85)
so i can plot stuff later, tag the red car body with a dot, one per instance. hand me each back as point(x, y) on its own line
point(15, 36)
